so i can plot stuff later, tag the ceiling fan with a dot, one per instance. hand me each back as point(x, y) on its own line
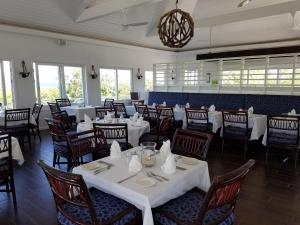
point(295, 26)
point(126, 25)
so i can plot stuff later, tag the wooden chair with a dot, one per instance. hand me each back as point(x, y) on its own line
point(53, 106)
point(109, 102)
point(35, 128)
point(76, 204)
point(215, 207)
point(120, 109)
point(85, 143)
point(162, 134)
point(6, 167)
point(153, 117)
point(197, 120)
point(102, 111)
point(137, 102)
point(235, 127)
point(283, 134)
point(17, 124)
point(65, 119)
point(191, 143)
point(117, 132)
point(142, 110)
point(134, 95)
point(62, 102)
point(60, 145)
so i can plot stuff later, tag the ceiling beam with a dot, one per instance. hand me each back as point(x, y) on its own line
point(266, 11)
point(107, 7)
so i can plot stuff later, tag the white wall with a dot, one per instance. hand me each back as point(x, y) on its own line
point(18, 47)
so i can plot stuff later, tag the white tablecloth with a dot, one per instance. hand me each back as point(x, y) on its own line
point(147, 198)
point(16, 151)
point(213, 117)
point(80, 111)
point(134, 131)
point(130, 109)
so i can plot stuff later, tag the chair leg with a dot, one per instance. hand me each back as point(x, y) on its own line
point(33, 133)
point(39, 134)
point(223, 143)
point(13, 190)
point(29, 140)
point(296, 158)
point(267, 154)
point(245, 149)
point(54, 159)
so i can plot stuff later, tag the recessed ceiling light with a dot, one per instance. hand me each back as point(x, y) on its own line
point(244, 3)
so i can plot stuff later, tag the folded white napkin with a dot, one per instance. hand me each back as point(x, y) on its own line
point(176, 108)
point(169, 167)
point(165, 149)
point(251, 110)
point(135, 116)
point(292, 112)
point(115, 150)
point(110, 114)
point(212, 108)
point(140, 121)
point(154, 104)
point(202, 107)
point(164, 104)
point(135, 165)
point(121, 116)
point(87, 119)
point(187, 105)
point(240, 109)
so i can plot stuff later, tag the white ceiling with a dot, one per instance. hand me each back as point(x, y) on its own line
point(261, 21)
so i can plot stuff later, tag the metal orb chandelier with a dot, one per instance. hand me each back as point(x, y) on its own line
point(176, 28)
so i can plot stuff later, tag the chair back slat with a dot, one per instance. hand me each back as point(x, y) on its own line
point(63, 102)
point(57, 130)
point(71, 189)
point(142, 110)
point(36, 111)
point(137, 102)
point(109, 102)
point(53, 106)
point(165, 112)
point(283, 128)
point(224, 192)
point(191, 143)
point(22, 116)
point(102, 111)
point(118, 131)
point(64, 118)
point(86, 142)
point(165, 126)
point(120, 109)
point(236, 119)
point(6, 161)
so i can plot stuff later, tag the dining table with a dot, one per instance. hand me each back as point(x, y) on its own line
point(135, 130)
point(118, 181)
point(80, 111)
point(16, 151)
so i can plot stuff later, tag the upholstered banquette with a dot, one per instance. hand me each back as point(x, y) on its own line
point(263, 104)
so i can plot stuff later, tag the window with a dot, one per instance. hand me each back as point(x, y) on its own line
point(115, 83)
point(190, 77)
point(6, 93)
point(165, 74)
point(148, 81)
point(58, 81)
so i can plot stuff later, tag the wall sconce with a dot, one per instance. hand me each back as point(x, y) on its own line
point(24, 73)
point(93, 74)
point(173, 75)
point(139, 74)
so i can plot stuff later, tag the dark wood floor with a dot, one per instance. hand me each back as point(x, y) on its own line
point(270, 195)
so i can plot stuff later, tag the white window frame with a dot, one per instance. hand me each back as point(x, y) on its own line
point(61, 79)
point(11, 81)
point(117, 81)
